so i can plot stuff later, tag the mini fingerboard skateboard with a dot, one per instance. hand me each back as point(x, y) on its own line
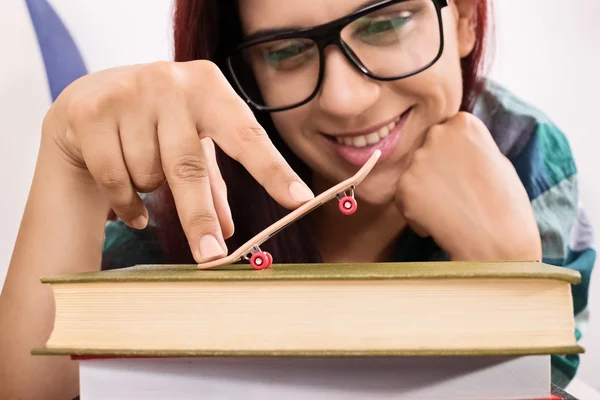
point(343, 191)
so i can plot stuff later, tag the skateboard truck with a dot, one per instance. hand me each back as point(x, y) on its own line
point(259, 259)
point(347, 203)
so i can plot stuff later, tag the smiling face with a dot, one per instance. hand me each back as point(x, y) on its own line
point(352, 115)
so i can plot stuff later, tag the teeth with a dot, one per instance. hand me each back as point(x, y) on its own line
point(383, 132)
point(360, 141)
point(370, 139)
point(373, 138)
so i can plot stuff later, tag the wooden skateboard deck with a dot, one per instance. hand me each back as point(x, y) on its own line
point(262, 260)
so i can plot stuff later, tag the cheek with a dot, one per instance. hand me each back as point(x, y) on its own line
point(290, 126)
point(438, 90)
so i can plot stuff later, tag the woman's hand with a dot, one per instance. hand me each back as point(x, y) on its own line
point(460, 189)
point(134, 128)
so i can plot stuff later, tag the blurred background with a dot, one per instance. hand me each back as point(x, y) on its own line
point(546, 51)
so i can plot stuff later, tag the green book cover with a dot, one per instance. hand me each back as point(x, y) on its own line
point(356, 271)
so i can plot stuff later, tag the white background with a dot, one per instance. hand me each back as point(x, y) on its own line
point(547, 51)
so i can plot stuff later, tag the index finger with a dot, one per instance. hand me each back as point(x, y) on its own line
point(240, 136)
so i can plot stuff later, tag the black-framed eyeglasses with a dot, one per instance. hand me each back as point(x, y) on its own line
point(389, 40)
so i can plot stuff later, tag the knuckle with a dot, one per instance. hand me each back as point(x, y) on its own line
point(157, 72)
point(407, 209)
point(409, 214)
point(253, 133)
point(81, 111)
point(160, 76)
point(208, 68)
point(148, 182)
point(189, 168)
point(203, 219)
point(90, 108)
point(249, 136)
point(277, 168)
point(463, 118)
point(124, 90)
point(469, 125)
point(114, 179)
point(204, 77)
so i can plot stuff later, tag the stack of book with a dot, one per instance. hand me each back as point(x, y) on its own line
point(443, 330)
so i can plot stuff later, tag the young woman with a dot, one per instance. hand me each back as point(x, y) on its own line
point(268, 104)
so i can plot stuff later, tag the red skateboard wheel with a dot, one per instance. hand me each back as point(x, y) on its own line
point(348, 205)
point(269, 257)
point(261, 260)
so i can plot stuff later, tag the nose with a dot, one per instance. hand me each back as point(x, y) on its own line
point(345, 92)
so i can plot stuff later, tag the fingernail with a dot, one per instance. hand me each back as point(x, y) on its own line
point(139, 222)
point(300, 192)
point(210, 247)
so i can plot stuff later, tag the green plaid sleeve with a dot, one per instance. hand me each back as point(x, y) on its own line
point(566, 233)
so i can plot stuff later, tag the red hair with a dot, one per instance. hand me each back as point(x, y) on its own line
point(473, 66)
point(199, 33)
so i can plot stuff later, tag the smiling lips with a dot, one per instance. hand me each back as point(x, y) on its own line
point(370, 139)
point(358, 147)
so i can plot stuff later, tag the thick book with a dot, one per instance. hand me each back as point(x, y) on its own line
point(381, 309)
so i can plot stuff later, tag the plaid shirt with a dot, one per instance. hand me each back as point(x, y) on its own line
point(544, 162)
